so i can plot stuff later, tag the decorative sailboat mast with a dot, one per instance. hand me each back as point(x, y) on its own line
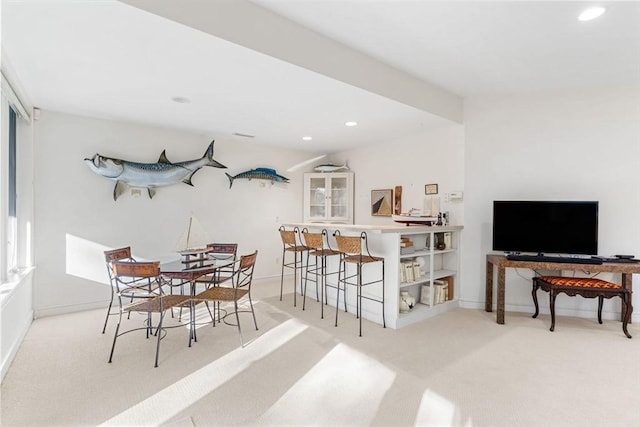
point(194, 240)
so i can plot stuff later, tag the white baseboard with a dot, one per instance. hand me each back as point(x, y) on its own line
point(24, 325)
point(587, 314)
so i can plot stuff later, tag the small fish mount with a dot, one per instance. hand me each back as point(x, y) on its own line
point(266, 174)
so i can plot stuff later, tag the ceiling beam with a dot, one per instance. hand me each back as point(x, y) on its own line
point(249, 25)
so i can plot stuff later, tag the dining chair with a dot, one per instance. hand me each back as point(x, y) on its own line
point(241, 280)
point(121, 254)
point(220, 251)
point(149, 298)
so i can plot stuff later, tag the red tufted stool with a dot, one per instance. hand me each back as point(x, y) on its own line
point(585, 287)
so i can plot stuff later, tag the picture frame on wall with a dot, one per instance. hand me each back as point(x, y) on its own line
point(431, 189)
point(382, 202)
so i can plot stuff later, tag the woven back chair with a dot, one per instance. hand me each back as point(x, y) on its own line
point(355, 251)
point(145, 279)
point(292, 246)
point(241, 280)
point(320, 249)
point(120, 254)
point(220, 251)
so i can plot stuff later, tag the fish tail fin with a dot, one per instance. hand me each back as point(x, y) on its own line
point(209, 156)
point(230, 179)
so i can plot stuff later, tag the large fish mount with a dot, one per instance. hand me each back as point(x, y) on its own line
point(149, 175)
point(258, 173)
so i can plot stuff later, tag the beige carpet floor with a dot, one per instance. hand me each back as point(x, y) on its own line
point(456, 369)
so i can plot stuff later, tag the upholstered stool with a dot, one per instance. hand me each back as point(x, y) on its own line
point(291, 244)
point(320, 249)
point(585, 287)
point(351, 249)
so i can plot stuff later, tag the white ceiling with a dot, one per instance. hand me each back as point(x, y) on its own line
point(247, 70)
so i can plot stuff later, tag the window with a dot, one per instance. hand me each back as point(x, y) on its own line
point(12, 223)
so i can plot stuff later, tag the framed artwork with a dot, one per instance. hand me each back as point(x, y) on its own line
point(431, 189)
point(381, 202)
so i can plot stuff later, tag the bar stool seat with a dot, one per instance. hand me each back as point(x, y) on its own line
point(351, 249)
point(316, 244)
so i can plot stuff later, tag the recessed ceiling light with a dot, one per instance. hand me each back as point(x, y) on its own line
point(181, 100)
point(591, 13)
point(306, 138)
point(351, 124)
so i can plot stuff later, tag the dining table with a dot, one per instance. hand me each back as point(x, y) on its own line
point(187, 272)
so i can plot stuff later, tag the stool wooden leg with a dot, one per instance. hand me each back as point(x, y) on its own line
point(534, 294)
point(552, 307)
point(626, 301)
point(600, 303)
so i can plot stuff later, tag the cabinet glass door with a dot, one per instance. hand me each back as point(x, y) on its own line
point(317, 198)
point(339, 198)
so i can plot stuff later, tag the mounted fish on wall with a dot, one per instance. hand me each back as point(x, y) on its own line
point(258, 173)
point(149, 175)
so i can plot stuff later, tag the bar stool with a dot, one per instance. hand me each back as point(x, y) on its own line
point(292, 245)
point(316, 244)
point(351, 248)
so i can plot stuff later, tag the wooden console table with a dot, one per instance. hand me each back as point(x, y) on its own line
point(502, 263)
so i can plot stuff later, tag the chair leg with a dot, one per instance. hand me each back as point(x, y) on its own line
point(600, 303)
point(306, 279)
point(115, 336)
point(359, 298)
point(384, 322)
point(238, 322)
point(552, 308)
point(106, 319)
point(626, 300)
point(255, 322)
point(534, 294)
point(338, 291)
point(282, 274)
point(159, 330)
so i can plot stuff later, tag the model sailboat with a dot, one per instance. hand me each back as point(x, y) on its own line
point(194, 240)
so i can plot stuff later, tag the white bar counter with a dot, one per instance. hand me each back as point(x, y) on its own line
point(384, 241)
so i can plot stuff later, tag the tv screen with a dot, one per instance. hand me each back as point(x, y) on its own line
point(546, 227)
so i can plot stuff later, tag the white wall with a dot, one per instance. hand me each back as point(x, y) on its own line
point(76, 217)
point(434, 157)
point(564, 145)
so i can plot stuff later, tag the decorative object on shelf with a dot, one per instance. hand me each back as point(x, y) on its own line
point(414, 216)
point(149, 175)
point(431, 189)
point(407, 302)
point(381, 202)
point(258, 173)
point(397, 200)
point(330, 167)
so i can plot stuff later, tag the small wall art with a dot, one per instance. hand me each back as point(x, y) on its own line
point(381, 202)
point(431, 189)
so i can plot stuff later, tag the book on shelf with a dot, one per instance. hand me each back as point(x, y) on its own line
point(442, 291)
point(447, 240)
point(416, 270)
point(408, 271)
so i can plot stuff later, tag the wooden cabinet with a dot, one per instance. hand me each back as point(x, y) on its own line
point(328, 197)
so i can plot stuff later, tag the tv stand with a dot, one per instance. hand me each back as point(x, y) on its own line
point(627, 270)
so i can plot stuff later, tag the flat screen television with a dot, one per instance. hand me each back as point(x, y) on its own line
point(546, 227)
